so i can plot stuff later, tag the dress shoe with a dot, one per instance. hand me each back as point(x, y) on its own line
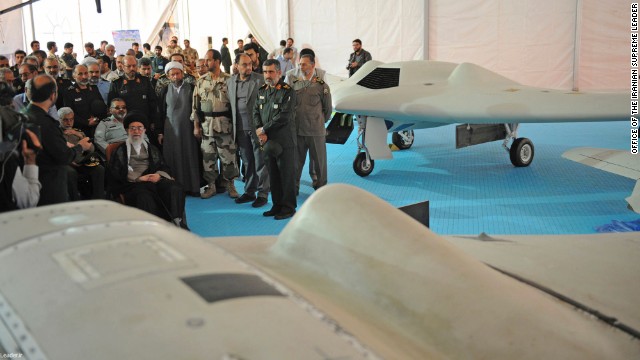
point(260, 201)
point(272, 212)
point(245, 198)
point(282, 216)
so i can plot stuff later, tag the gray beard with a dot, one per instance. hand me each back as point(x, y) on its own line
point(135, 142)
point(94, 81)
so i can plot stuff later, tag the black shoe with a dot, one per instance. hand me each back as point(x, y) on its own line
point(272, 212)
point(283, 216)
point(260, 202)
point(245, 198)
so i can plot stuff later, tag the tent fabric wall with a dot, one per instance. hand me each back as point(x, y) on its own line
point(604, 45)
point(201, 20)
point(11, 31)
point(535, 42)
point(389, 30)
point(550, 43)
point(268, 21)
point(529, 42)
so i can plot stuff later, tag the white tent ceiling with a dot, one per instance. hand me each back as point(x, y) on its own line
point(552, 43)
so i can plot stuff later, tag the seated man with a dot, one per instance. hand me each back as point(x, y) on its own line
point(137, 171)
point(87, 163)
point(111, 129)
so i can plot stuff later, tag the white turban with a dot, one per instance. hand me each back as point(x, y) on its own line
point(171, 65)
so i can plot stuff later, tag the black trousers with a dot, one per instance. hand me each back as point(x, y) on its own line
point(282, 180)
point(164, 199)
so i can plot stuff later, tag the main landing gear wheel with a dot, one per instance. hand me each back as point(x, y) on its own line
point(521, 152)
point(402, 139)
point(361, 165)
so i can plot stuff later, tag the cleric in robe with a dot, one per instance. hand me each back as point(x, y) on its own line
point(175, 130)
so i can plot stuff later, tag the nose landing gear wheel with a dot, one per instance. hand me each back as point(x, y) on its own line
point(521, 152)
point(361, 166)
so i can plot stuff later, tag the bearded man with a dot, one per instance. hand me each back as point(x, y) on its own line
point(175, 133)
point(137, 171)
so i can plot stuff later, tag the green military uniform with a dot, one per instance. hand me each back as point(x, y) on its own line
point(273, 112)
point(212, 108)
point(313, 110)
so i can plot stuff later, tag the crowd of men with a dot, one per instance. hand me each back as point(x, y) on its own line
point(155, 127)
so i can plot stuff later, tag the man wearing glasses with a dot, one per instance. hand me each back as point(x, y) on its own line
point(243, 92)
point(52, 68)
point(111, 129)
point(138, 171)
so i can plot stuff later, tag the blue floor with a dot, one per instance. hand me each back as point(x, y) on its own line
point(471, 190)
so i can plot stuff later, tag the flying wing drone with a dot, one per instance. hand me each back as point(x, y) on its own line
point(97, 280)
point(403, 96)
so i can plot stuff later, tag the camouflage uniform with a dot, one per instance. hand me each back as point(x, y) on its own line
point(190, 54)
point(211, 103)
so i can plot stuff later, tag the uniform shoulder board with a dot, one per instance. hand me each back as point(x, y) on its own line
point(264, 86)
point(319, 81)
point(286, 86)
point(70, 87)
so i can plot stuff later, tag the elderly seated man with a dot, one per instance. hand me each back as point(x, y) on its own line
point(138, 171)
point(86, 164)
point(111, 129)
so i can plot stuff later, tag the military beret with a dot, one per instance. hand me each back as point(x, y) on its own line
point(135, 116)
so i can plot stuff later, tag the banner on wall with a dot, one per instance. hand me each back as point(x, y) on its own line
point(122, 40)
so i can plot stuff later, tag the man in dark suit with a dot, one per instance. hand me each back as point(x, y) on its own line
point(226, 56)
point(274, 123)
point(56, 156)
point(243, 92)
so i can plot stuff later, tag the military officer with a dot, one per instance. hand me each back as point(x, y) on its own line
point(135, 90)
point(274, 123)
point(85, 101)
point(313, 109)
point(212, 112)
